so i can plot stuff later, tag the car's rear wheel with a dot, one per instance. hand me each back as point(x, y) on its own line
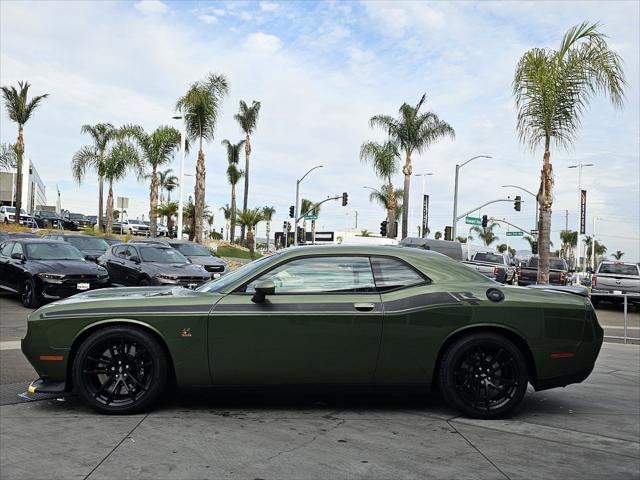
point(484, 375)
point(120, 370)
point(29, 294)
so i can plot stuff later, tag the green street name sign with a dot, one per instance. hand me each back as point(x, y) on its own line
point(473, 221)
point(514, 234)
point(310, 217)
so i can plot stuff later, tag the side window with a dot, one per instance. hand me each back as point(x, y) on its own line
point(391, 274)
point(119, 251)
point(6, 249)
point(320, 274)
point(17, 248)
point(131, 252)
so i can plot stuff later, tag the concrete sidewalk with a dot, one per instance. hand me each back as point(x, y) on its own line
point(590, 430)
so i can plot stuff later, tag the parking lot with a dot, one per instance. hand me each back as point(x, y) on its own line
point(582, 431)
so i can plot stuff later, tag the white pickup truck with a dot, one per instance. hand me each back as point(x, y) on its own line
point(612, 280)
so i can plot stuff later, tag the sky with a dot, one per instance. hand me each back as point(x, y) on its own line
point(320, 71)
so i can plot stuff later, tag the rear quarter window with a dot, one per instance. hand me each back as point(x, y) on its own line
point(390, 274)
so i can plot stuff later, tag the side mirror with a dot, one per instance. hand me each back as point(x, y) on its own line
point(262, 290)
point(17, 256)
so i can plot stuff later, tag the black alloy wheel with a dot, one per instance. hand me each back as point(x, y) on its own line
point(29, 295)
point(120, 370)
point(484, 375)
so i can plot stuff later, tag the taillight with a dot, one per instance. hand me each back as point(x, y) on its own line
point(496, 272)
point(594, 280)
point(519, 272)
point(561, 277)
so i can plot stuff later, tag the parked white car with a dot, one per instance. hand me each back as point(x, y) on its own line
point(8, 215)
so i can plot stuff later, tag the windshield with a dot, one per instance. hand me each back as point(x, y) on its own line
point(191, 249)
point(618, 269)
point(162, 255)
point(221, 283)
point(13, 210)
point(488, 257)
point(88, 243)
point(52, 251)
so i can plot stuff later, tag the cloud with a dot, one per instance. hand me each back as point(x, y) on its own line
point(150, 7)
point(269, 6)
point(208, 19)
point(263, 42)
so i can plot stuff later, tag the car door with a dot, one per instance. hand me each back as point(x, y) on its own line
point(5, 257)
point(15, 267)
point(322, 325)
point(115, 264)
point(418, 314)
point(132, 269)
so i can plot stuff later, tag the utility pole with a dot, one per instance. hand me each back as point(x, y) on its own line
point(356, 219)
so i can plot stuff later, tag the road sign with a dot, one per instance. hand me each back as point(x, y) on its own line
point(310, 217)
point(473, 220)
point(515, 234)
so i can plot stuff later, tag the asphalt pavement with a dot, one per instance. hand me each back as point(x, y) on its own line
point(589, 430)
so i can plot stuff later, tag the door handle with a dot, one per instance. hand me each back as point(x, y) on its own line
point(364, 307)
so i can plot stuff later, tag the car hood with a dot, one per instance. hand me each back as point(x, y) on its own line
point(204, 260)
point(67, 267)
point(130, 301)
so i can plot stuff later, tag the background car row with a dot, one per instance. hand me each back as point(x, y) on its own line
point(53, 266)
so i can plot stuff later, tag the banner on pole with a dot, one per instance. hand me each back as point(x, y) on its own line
point(425, 215)
point(583, 211)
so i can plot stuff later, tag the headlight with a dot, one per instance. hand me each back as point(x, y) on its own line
point(52, 277)
point(166, 277)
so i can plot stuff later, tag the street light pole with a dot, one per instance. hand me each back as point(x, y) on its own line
point(423, 229)
point(183, 147)
point(455, 193)
point(295, 218)
point(530, 193)
point(578, 236)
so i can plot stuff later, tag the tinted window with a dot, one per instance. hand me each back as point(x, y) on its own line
point(88, 243)
point(488, 257)
point(191, 249)
point(119, 251)
point(17, 248)
point(6, 249)
point(52, 251)
point(391, 273)
point(618, 269)
point(244, 271)
point(320, 275)
point(162, 255)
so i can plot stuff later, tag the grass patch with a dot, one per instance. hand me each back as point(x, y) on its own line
point(234, 252)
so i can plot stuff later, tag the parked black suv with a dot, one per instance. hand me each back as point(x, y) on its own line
point(47, 219)
point(76, 221)
point(151, 264)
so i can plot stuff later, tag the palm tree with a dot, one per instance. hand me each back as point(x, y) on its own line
point(305, 207)
point(618, 255)
point(120, 159)
point(552, 89)
point(247, 118)
point(249, 219)
point(316, 213)
point(234, 174)
point(384, 158)
point(462, 239)
point(200, 106)
point(93, 156)
point(8, 156)
point(20, 109)
point(486, 233)
point(600, 249)
point(412, 132)
point(365, 233)
point(169, 210)
point(437, 235)
point(209, 219)
point(166, 178)
point(227, 211)
point(569, 241)
point(267, 215)
point(154, 150)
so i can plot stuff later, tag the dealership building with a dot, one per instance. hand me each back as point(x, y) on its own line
point(33, 190)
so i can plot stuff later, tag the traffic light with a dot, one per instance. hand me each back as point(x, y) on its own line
point(517, 203)
point(345, 199)
point(292, 210)
point(285, 227)
point(383, 228)
point(485, 220)
point(448, 233)
point(534, 248)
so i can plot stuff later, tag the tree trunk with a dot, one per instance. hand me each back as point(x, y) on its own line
point(313, 232)
point(406, 170)
point(247, 154)
point(391, 210)
point(268, 233)
point(153, 203)
point(252, 250)
point(544, 230)
point(19, 161)
point(100, 201)
point(234, 213)
point(110, 207)
point(199, 197)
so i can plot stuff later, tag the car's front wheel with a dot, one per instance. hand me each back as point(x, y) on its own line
point(29, 294)
point(120, 370)
point(484, 375)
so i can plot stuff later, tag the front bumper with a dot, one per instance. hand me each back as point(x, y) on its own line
point(56, 291)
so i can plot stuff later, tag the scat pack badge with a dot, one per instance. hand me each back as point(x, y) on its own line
point(186, 332)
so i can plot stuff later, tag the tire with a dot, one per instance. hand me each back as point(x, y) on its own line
point(29, 294)
point(483, 375)
point(120, 370)
point(145, 282)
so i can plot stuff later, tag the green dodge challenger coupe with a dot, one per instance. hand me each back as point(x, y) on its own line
point(339, 315)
